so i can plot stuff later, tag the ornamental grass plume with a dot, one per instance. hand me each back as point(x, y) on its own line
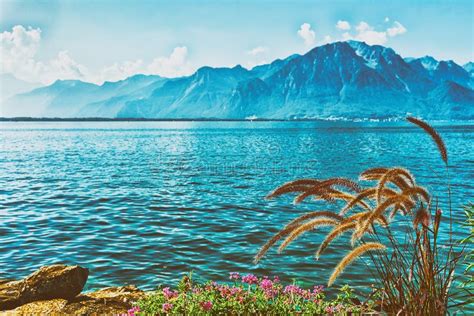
point(297, 231)
point(351, 256)
point(324, 214)
point(414, 273)
point(336, 232)
point(326, 186)
point(434, 135)
point(392, 173)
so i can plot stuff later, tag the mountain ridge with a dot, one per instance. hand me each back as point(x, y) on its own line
point(342, 79)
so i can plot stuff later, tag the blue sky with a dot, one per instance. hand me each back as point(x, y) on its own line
point(109, 40)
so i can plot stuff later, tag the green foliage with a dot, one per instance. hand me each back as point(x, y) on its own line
point(248, 295)
point(468, 242)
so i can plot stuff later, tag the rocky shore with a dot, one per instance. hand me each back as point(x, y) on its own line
point(57, 290)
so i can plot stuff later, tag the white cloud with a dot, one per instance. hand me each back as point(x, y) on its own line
point(372, 37)
point(18, 50)
point(174, 65)
point(327, 39)
point(366, 33)
point(397, 29)
point(120, 71)
point(307, 34)
point(65, 67)
point(387, 19)
point(343, 25)
point(20, 46)
point(363, 27)
point(257, 50)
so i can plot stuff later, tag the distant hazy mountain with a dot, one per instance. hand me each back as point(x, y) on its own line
point(342, 79)
point(9, 86)
point(469, 67)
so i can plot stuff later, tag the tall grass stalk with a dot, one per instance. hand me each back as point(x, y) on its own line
point(416, 270)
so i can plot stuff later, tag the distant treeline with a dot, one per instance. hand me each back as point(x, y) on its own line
point(101, 119)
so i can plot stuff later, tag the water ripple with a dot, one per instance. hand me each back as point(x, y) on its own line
point(143, 203)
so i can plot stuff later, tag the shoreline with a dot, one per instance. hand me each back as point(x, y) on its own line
point(335, 119)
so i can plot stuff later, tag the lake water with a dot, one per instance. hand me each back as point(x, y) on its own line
point(145, 202)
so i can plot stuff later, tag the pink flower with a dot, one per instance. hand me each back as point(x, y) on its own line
point(224, 291)
point(167, 307)
point(306, 294)
point(330, 309)
point(169, 294)
point(266, 284)
point(234, 276)
point(132, 311)
point(207, 306)
point(276, 279)
point(235, 290)
point(250, 279)
point(318, 289)
point(292, 289)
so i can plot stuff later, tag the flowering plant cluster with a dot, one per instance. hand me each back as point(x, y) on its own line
point(247, 294)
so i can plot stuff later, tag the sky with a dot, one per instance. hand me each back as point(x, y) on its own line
point(107, 40)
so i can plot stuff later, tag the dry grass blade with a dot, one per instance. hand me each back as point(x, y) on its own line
point(356, 217)
point(417, 190)
point(296, 232)
point(434, 135)
point(323, 186)
point(422, 217)
point(401, 183)
point(351, 256)
point(364, 224)
point(373, 173)
point(311, 215)
point(361, 216)
point(388, 176)
point(271, 242)
point(336, 232)
point(332, 197)
point(287, 189)
point(290, 227)
point(382, 220)
point(366, 194)
point(293, 186)
point(362, 195)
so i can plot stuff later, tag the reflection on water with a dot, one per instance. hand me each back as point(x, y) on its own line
point(145, 202)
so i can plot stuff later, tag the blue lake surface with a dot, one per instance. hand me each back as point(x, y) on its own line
point(145, 202)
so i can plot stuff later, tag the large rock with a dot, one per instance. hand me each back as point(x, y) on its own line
point(49, 282)
point(50, 307)
point(108, 301)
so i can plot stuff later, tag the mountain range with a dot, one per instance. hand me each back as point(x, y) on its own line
point(338, 80)
point(10, 86)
